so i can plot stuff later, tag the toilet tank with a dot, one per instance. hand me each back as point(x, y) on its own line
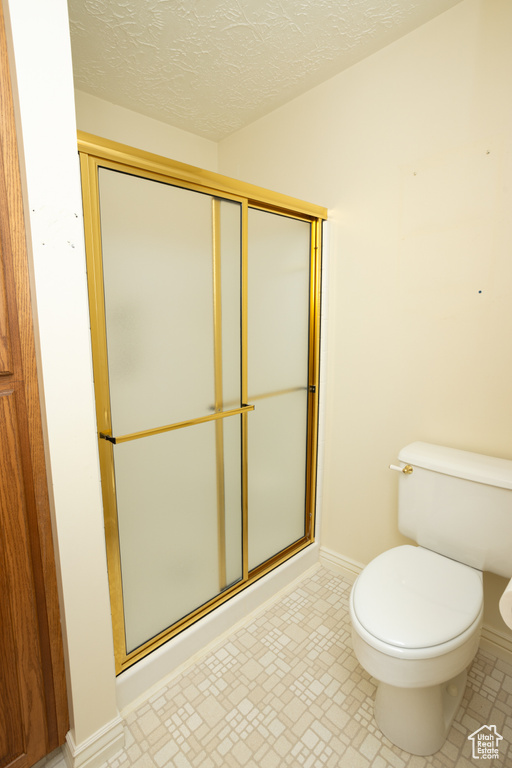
point(458, 504)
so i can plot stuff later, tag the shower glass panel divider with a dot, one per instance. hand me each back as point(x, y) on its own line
point(174, 411)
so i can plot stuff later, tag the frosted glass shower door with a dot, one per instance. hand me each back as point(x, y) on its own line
point(278, 377)
point(204, 296)
point(171, 279)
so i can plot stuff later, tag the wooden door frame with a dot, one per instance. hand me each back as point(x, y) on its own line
point(32, 455)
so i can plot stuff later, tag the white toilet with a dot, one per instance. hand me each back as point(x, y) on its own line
point(417, 611)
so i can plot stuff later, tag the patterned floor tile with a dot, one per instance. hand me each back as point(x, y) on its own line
point(287, 690)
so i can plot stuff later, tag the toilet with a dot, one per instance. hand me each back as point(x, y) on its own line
point(416, 611)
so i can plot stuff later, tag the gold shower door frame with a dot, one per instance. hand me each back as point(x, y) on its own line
point(96, 153)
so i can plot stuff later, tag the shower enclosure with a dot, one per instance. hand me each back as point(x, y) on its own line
point(204, 296)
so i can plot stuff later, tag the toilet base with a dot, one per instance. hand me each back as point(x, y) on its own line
point(417, 720)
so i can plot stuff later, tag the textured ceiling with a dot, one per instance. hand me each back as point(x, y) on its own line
point(213, 66)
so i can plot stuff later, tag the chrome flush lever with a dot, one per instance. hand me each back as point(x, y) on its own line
point(407, 470)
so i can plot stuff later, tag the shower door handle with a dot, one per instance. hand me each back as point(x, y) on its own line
point(177, 425)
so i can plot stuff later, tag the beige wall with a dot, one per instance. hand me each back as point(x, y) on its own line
point(109, 121)
point(411, 150)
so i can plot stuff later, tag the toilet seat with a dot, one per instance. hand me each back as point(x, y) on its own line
point(411, 602)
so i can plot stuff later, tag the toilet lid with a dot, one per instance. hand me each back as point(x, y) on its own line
point(414, 598)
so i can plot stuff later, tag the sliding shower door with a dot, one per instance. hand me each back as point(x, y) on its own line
point(171, 274)
point(204, 320)
point(278, 376)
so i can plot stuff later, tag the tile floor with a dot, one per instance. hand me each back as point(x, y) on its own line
point(286, 690)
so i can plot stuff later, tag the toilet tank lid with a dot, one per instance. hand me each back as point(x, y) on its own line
point(463, 464)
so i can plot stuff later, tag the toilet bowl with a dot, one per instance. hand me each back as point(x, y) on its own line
point(416, 619)
point(416, 611)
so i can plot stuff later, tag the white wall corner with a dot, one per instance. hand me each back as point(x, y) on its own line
point(98, 748)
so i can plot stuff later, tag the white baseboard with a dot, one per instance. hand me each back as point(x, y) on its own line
point(344, 565)
point(491, 640)
point(497, 643)
point(97, 749)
